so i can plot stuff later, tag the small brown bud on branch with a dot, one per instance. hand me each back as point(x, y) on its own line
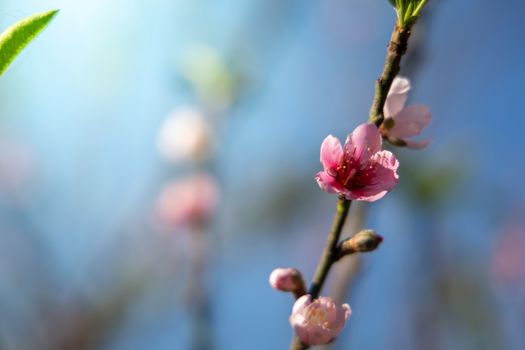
point(364, 241)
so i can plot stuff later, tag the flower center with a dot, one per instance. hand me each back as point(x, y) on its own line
point(354, 174)
point(317, 316)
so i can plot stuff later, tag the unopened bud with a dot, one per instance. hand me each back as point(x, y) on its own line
point(288, 280)
point(364, 241)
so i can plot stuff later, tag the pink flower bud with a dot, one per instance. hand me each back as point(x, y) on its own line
point(360, 170)
point(318, 321)
point(287, 280)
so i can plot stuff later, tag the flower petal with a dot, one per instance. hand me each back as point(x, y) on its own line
point(410, 121)
point(331, 152)
point(329, 307)
point(331, 185)
point(397, 96)
point(343, 313)
point(365, 141)
point(385, 179)
point(400, 85)
point(319, 335)
point(328, 183)
point(303, 332)
point(301, 303)
point(387, 160)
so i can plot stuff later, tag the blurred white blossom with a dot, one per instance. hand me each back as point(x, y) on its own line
point(185, 135)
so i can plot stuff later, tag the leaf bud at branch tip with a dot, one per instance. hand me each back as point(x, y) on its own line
point(407, 10)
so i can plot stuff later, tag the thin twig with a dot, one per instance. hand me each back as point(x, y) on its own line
point(396, 49)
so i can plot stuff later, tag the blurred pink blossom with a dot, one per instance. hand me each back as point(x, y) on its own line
point(319, 321)
point(185, 135)
point(508, 260)
point(407, 121)
point(17, 168)
point(286, 279)
point(360, 171)
point(188, 201)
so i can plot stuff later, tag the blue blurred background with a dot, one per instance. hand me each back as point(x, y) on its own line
point(85, 261)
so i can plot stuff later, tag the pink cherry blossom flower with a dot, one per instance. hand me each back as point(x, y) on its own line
point(17, 169)
point(318, 321)
point(401, 123)
point(287, 280)
point(188, 201)
point(360, 170)
point(508, 261)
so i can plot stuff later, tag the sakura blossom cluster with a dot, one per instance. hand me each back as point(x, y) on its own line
point(315, 321)
point(186, 138)
point(358, 170)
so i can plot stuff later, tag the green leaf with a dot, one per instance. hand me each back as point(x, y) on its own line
point(17, 36)
point(408, 10)
point(419, 7)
